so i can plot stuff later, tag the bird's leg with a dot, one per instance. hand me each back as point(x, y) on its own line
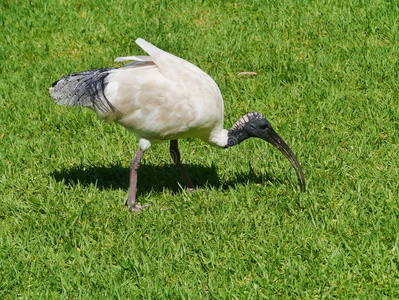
point(174, 152)
point(131, 200)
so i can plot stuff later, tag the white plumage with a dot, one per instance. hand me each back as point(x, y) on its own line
point(163, 97)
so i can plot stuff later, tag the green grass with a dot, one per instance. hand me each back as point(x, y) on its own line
point(328, 82)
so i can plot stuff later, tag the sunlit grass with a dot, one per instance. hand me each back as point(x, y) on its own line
point(327, 81)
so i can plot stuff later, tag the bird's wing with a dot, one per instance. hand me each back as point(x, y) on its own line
point(171, 66)
point(138, 61)
point(201, 90)
point(161, 96)
point(149, 48)
point(135, 58)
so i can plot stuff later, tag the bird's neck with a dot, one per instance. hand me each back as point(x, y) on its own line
point(237, 133)
point(228, 138)
point(235, 136)
point(218, 138)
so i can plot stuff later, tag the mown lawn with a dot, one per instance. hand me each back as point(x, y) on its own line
point(328, 82)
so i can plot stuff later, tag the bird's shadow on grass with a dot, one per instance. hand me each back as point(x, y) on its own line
point(155, 178)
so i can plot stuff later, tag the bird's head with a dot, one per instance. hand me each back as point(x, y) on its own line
point(255, 125)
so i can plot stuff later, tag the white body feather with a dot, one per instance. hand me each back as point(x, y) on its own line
point(163, 97)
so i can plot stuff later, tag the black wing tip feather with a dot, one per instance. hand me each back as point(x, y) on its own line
point(54, 83)
point(85, 88)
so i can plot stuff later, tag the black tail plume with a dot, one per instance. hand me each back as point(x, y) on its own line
point(83, 89)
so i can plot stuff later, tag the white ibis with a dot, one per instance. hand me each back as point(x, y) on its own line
point(163, 97)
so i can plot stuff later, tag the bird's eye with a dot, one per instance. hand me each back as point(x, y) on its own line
point(252, 126)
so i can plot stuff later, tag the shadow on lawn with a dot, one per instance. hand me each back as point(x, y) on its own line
point(154, 178)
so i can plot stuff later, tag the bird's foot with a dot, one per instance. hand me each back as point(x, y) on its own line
point(194, 190)
point(137, 208)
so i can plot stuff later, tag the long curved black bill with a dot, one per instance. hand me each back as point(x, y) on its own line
point(274, 139)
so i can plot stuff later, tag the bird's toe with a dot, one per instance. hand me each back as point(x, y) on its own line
point(135, 209)
point(195, 190)
point(138, 208)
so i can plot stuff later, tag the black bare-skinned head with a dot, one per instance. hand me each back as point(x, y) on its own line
point(255, 125)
